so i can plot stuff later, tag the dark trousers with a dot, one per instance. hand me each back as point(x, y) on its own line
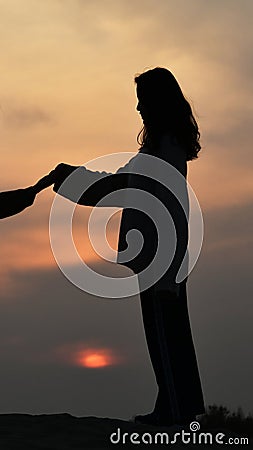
point(170, 344)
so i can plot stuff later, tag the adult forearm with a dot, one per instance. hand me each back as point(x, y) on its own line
point(13, 202)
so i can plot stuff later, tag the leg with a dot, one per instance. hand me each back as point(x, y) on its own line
point(171, 348)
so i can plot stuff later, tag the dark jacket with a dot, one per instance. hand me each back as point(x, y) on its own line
point(103, 183)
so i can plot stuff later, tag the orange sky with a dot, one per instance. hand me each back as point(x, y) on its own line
point(67, 94)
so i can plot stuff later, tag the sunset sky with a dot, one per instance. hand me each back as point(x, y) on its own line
point(67, 94)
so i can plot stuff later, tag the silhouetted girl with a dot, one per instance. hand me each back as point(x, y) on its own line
point(170, 133)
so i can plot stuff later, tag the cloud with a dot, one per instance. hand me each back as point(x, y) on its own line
point(230, 229)
point(26, 117)
point(25, 241)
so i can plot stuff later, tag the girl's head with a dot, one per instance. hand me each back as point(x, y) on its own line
point(165, 110)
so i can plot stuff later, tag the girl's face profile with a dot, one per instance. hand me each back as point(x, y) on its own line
point(142, 110)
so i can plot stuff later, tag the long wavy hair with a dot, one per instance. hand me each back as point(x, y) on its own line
point(167, 112)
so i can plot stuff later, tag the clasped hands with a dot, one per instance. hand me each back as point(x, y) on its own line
point(15, 201)
point(55, 177)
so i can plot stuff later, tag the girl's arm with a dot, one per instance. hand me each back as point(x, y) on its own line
point(87, 187)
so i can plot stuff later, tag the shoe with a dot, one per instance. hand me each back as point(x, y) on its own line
point(152, 419)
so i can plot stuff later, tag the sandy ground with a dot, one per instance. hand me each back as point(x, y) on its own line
point(66, 432)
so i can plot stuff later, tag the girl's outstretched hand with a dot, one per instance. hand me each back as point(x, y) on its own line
point(61, 172)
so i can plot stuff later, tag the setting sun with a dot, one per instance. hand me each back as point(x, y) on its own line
point(94, 358)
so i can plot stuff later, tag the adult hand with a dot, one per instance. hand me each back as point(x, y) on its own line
point(44, 182)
